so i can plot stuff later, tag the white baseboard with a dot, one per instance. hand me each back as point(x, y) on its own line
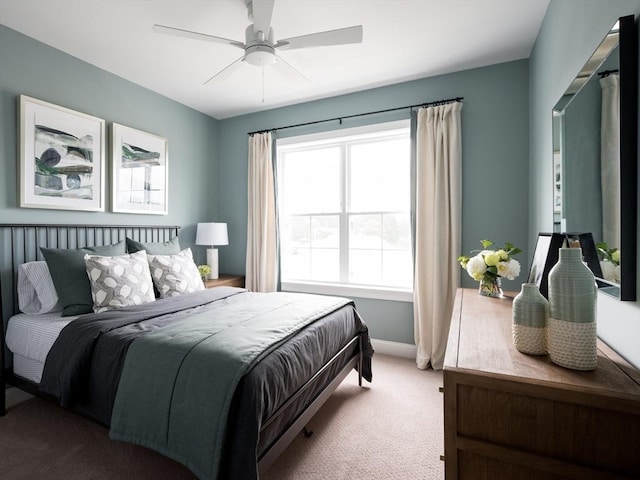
point(13, 396)
point(396, 349)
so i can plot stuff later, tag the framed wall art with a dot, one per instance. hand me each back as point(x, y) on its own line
point(62, 157)
point(139, 171)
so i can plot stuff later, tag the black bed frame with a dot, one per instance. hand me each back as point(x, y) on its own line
point(20, 243)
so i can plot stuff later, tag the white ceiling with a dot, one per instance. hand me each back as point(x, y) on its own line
point(403, 40)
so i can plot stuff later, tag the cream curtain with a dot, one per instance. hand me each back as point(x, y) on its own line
point(438, 211)
point(262, 251)
point(610, 160)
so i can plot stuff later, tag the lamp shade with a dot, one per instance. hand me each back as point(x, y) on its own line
point(212, 234)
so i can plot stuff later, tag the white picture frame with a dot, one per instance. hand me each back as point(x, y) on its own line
point(139, 171)
point(61, 159)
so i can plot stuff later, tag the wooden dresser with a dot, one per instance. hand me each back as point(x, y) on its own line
point(508, 415)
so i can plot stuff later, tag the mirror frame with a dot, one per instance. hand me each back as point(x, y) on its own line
point(628, 89)
point(628, 155)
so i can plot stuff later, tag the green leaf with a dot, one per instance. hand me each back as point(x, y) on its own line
point(486, 243)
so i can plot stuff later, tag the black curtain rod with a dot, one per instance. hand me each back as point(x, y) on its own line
point(428, 104)
point(606, 73)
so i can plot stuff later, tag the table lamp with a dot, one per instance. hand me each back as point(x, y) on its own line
point(212, 234)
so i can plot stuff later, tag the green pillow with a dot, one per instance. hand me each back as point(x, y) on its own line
point(69, 275)
point(172, 247)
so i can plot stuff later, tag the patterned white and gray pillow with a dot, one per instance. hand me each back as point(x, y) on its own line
point(36, 291)
point(175, 274)
point(119, 281)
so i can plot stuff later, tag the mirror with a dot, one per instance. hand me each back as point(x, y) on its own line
point(595, 157)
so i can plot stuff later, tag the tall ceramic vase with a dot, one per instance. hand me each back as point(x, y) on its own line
point(572, 312)
point(530, 312)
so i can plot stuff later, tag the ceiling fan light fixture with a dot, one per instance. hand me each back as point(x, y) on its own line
point(260, 46)
point(260, 55)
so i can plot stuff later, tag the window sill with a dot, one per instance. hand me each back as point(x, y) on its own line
point(342, 290)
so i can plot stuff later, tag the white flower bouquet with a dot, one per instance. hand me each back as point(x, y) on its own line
point(488, 266)
point(609, 262)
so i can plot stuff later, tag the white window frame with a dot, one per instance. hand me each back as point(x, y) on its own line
point(343, 289)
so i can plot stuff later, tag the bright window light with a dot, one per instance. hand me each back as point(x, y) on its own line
point(344, 211)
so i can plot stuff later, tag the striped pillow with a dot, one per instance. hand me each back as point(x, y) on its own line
point(36, 292)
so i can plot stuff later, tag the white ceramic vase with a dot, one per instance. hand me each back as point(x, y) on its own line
point(572, 334)
point(529, 327)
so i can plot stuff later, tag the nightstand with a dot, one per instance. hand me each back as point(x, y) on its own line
point(226, 281)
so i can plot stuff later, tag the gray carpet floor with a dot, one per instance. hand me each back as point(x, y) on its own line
point(390, 429)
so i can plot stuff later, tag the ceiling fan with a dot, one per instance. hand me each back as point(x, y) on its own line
point(260, 48)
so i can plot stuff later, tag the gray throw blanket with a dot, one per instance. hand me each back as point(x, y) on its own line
point(178, 381)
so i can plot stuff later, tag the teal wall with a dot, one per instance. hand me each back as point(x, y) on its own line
point(31, 68)
point(495, 159)
point(571, 31)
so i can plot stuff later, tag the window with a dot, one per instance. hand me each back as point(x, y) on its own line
point(344, 208)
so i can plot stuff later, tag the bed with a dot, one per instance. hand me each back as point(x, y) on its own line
point(220, 380)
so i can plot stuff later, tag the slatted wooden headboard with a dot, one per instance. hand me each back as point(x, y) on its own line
point(21, 243)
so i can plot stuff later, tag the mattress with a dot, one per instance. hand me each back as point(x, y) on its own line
point(30, 337)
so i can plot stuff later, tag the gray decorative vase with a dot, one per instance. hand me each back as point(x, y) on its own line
point(530, 313)
point(572, 332)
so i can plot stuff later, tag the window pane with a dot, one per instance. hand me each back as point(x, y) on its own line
point(397, 268)
point(325, 231)
point(365, 231)
point(365, 267)
point(396, 231)
point(312, 179)
point(296, 231)
point(296, 264)
point(379, 173)
point(325, 264)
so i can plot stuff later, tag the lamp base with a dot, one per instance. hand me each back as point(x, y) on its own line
point(212, 261)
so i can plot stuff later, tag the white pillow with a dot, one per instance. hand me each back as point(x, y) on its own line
point(119, 281)
point(175, 274)
point(36, 292)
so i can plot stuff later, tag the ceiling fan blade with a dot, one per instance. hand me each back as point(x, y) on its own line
point(195, 35)
point(262, 11)
point(341, 36)
point(288, 71)
point(227, 71)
